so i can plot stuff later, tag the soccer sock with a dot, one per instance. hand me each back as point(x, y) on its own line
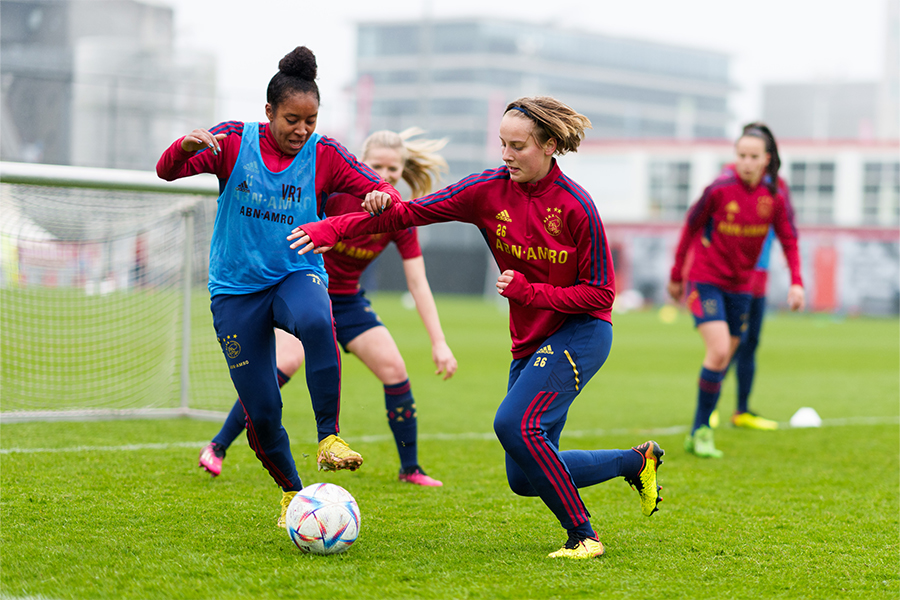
point(590, 467)
point(632, 463)
point(236, 420)
point(746, 369)
point(709, 387)
point(583, 531)
point(401, 414)
point(282, 378)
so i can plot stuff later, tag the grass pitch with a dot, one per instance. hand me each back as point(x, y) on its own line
point(120, 509)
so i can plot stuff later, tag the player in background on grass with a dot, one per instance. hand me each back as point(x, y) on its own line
point(557, 273)
point(359, 330)
point(273, 176)
point(726, 230)
point(745, 356)
point(744, 360)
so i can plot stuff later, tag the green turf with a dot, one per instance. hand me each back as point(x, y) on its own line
point(809, 513)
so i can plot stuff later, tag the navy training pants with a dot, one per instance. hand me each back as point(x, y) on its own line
point(531, 418)
point(244, 323)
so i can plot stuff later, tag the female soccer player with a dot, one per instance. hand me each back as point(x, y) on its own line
point(556, 270)
point(273, 176)
point(726, 230)
point(359, 330)
point(745, 356)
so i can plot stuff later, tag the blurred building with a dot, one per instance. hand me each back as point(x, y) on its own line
point(824, 111)
point(865, 110)
point(838, 183)
point(455, 77)
point(96, 83)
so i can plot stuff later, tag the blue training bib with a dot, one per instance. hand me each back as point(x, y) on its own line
point(763, 263)
point(257, 211)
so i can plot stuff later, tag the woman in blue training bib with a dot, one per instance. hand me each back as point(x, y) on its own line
point(272, 177)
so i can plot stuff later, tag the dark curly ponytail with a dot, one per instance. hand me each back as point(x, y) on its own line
point(761, 131)
point(296, 74)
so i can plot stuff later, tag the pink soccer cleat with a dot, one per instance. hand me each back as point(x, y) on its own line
point(417, 476)
point(211, 458)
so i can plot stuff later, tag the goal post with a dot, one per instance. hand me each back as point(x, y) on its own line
point(104, 310)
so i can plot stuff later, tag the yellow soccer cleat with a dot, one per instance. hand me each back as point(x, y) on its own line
point(575, 548)
point(334, 454)
point(285, 502)
point(701, 443)
point(749, 420)
point(645, 481)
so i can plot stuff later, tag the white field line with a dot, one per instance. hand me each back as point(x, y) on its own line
point(444, 437)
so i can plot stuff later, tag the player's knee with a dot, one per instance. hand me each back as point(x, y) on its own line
point(315, 329)
point(263, 421)
point(749, 345)
point(520, 485)
point(717, 360)
point(507, 430)
point(290, 363)
point(393, 372)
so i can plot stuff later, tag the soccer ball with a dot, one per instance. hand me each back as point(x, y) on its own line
point(323, 518)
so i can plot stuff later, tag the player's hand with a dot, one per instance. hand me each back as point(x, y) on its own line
point(796, 297)
point(305, 243)
point(443, 359)
point(376, 202)
point(676, 290)
point(199, 139)
point(504, 280)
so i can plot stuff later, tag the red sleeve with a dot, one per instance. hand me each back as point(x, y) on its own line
point(339, 171)
point(450, 204)
point(175, 163)
point(341, 204)
point(697, 216)
point(596, 286)
point(786, 230)
point(407, 241)
point(575, 299)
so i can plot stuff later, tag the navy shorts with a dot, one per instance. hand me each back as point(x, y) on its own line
point(709, 303)
point(353, 315)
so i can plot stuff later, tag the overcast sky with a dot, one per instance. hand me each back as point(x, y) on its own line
point(770, 41)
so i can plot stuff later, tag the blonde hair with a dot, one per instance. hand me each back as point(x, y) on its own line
point(552, 119)
point(422, 165)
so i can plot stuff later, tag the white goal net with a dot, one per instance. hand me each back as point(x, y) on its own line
point(104, 311)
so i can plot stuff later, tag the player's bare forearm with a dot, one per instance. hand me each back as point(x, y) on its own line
point(676, 290)
point(417, 282)
point(796, 297)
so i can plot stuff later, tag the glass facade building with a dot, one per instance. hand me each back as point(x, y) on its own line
point(453, 78)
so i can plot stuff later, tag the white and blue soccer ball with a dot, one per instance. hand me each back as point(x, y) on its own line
point(323, 518)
